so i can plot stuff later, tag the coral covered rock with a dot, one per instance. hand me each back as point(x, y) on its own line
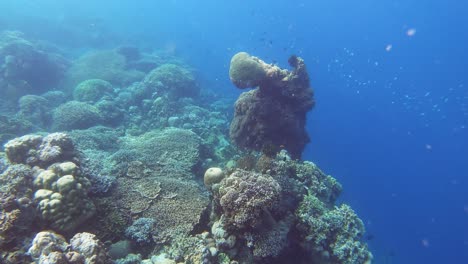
point(275, 112)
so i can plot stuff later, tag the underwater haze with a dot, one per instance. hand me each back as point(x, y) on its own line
point(390, 81)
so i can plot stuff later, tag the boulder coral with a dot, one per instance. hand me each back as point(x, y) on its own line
point(75, 115)
point(275, 112)
point(91, 90)
point(62, 198)
point(173, 81)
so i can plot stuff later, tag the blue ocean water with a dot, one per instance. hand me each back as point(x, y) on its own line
point(390, 77)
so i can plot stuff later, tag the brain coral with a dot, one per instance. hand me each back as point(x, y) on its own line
point(244, 195)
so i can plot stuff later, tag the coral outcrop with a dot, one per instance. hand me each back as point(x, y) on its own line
point(275, 112)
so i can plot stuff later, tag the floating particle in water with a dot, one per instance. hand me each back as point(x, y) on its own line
point(428, 146)
point(425, 242)
point(465, 209)
point(410, 32)
point(388, 47)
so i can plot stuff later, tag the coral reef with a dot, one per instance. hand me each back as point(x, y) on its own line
point(275, 112)
point(147, 166)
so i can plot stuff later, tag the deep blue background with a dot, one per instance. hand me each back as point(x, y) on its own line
point(392, 126)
